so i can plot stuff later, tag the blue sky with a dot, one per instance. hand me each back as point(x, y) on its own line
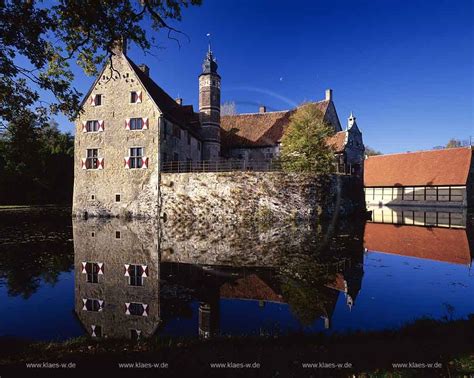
point(405, 68)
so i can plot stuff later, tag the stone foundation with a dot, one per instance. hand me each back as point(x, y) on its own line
point(257, 197)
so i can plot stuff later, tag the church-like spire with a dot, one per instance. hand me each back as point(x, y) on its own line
point(209, 65)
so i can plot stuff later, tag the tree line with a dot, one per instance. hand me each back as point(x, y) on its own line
point(36, 162)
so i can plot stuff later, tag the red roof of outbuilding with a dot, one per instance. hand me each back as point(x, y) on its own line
point(438, 167)
point(440, 244)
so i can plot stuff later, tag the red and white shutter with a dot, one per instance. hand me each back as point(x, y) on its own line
point(100, 163)
point(127, 124)
point(145, 123)
point(84, 304)
point(127, 274)
point(83, 163)
point(145, 309)
point(101, 268)
point(127, 162)
point(92, 100)
point(144, 162)
point(84, 267)
point(101, 125)
point(139, 96)
point(127, 311)
point(144, 271)
point(101, 305)
point(84, 126)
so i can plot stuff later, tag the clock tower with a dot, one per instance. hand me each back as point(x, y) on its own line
point(210, 108)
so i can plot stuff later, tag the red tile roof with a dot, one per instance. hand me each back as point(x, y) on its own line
point(438, 167)
point(338, 141)
point(440, 244)
point(258, 129)
point(250, 287)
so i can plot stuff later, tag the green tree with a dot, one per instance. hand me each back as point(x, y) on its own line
point(40, 40)
point(304, 145)
point(369, 151)
point(453, 143)
point(36, 162)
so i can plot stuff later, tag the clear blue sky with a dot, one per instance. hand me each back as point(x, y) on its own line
point(405, 68)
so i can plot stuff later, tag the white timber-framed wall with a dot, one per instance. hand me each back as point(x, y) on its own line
point(440, 195)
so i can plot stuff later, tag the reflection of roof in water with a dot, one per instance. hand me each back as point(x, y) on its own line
point(440, 244)
point(250, 287)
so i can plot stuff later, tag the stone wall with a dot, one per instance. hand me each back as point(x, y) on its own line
point(261, 197)
point(95, 190)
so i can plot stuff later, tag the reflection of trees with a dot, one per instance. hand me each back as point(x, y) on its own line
point(303, 281)
point(34, 247)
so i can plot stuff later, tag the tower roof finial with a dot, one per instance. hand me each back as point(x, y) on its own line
point(209, 51)
point(210, 64)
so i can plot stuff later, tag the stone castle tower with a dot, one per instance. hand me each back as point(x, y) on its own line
point(210, 108)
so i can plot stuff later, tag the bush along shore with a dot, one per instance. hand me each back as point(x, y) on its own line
point(424, 348)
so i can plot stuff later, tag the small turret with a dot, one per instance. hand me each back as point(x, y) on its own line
point(351, 121)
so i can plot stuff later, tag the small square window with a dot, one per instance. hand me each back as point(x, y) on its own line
point(93, 234)
point(92, 197)
point(117, 198)
point(133, 97)
point(92, 126)
point(136, 123)
point(117, 235)
point(98, 100)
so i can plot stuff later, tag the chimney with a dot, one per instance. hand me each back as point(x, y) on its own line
point(328, 94)
point(145, 69)
point(120, 46)
point(179, 101)
point(262, 109)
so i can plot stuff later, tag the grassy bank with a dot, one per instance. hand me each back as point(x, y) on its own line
point(447, 345)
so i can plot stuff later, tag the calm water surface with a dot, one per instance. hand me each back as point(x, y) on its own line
point(62, 278)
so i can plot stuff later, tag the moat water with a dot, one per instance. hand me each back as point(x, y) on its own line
point(62, 278)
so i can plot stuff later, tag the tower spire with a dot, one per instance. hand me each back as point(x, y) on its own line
point(209, 51)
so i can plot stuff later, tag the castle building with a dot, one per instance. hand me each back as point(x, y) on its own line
point(257, 136)
point(130, 130)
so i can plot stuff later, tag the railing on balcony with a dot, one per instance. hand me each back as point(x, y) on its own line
point(221, 166)
point(239, 165)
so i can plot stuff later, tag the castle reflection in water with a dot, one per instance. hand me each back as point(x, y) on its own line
point(136, 279)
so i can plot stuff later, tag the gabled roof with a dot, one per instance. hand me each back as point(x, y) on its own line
point(182, 115)
point(438, 167)
point(258, 129)
point(440, 244)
